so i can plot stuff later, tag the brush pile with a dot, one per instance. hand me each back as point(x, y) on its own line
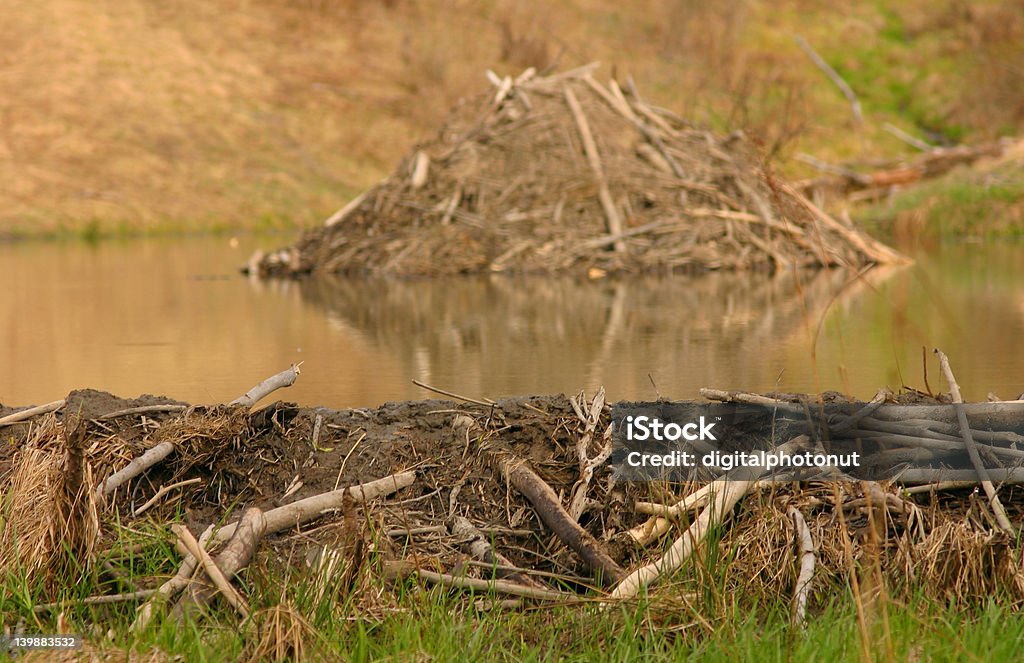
point(513, 498)
point(562, 173)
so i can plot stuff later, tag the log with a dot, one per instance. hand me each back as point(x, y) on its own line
point(551, 513)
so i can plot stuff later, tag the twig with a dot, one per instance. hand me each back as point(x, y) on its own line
point(805, 550)
point(212, 570)
point(611, 213)
point(96, 600)
point(395, 570)
point(31, 412)
point(972, 448)
point(907, 138)
point(481, 548)
point(144, 409)
point(488, 402)
point(285, 378)
point(163, 491)
point(833, 76)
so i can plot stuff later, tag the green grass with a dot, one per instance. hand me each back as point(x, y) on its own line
point(688, 619)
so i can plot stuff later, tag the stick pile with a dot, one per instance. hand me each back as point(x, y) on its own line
point(564, 173)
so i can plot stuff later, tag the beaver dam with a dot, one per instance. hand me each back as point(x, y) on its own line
point(561, 173)
point(511, 499)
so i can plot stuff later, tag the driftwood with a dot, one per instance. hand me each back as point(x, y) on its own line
point(28, 413)
point(549, 508)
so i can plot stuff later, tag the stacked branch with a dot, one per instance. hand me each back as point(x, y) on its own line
point(547, 174)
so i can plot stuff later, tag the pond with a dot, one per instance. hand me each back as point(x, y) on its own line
point(174, 317)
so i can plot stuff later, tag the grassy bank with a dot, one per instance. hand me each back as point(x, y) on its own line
point(358, 617)
point(135, 117)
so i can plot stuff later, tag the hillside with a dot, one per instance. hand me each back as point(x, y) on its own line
point(138, 116)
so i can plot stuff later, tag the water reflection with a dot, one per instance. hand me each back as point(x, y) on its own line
point(172, 317)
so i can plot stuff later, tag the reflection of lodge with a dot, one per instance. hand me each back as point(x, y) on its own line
point(563, 332)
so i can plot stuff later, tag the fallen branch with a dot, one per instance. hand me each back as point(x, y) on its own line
point(589, 419)
point(805, 550)
point(972, 448)
point(549, 508)
point(211, 568)
point(30, 412)
point(285, 378)
point(234, 557)
point(103, 599)
point(401, 570)
point(169, 589)
point(833, 76)
point(310, 508)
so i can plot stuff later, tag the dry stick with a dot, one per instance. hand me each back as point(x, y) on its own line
point(589, 419)
point(482, 549)
point(144, 409)
point(833, 76)
point(972, 448)
point(163, 491)
point(611, 213)
point(548, 507)
point(285, 378)
point(807, 560)
point(393, 570)
point(347, 209)
point(656, 527)
point(739, 397)
point(96, 600)
point(726, 494)
point(212, 570)
point(156, 454)
point(310, 508)
point(31, 412)
point(169, 589)
point(235, 556)
point(449, 394)
point(907, 138)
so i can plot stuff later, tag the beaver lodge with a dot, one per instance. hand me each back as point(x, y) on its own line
point(561, 173)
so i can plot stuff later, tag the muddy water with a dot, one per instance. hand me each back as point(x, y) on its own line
point(172, 317)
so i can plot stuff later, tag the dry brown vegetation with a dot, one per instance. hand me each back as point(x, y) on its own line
point(140, 114)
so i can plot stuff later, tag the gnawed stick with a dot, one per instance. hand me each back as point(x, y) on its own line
point(163, 491)
point(401, 570)
point(656, 527)
point(805, 550)
point(212, 570)
point(549, 508)
point(972, 449)
point(133, 469)
point(28, 413)
point(235, 556)
point(285, 378)
point(304, 510)
point(482, 549)
point(170, 589)
point(725, 494)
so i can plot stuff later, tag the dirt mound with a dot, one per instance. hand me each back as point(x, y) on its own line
point(562, 173)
